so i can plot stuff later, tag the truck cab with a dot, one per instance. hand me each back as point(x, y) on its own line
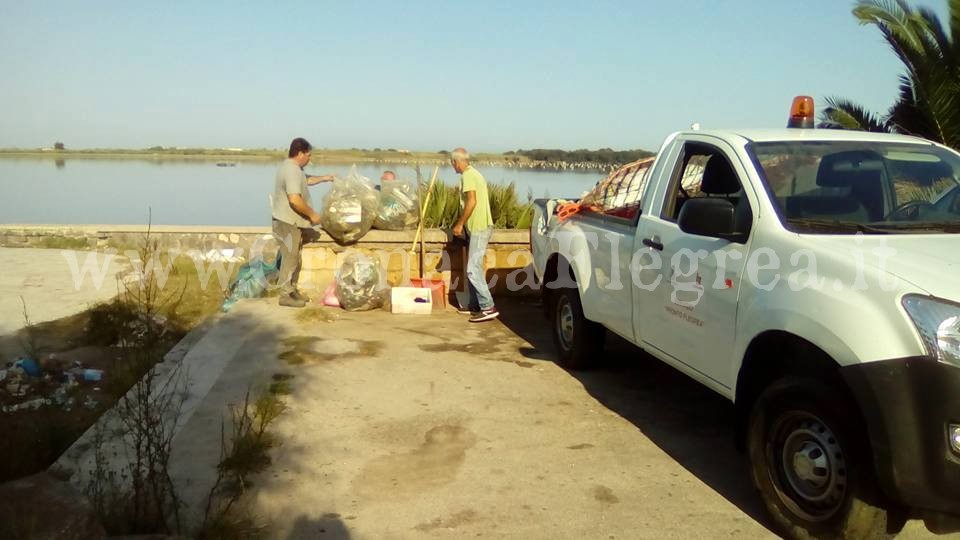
point(810, 277)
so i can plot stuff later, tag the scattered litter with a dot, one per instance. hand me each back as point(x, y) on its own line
point(16, 386)
point(52, 364)
point(349, 208)
point(358, 283)
point(49, 382)
point(90, 403)
point(33, 404)
point(227, 255)
point(29, 366)
point(61, 396)
point(131, 279)
point(140, 328)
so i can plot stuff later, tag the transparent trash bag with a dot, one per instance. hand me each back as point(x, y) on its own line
point(358, 283)
point(399, 206)
point(350, 208)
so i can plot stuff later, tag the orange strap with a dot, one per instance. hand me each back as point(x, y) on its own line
point(564, 211)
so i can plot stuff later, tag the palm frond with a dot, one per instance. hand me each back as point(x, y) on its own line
point(937, 34)
point(954, 9)
point(849, 115)
point(895, 21)
point(929, 97)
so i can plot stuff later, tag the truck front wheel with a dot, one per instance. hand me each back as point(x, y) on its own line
point(579, 341)
point(811, 464)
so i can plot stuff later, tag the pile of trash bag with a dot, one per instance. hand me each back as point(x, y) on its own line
point(350, 208)
point(358, 283)
point(252, 281)
point(399, 206)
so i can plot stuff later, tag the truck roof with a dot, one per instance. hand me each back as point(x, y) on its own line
point(785, 134)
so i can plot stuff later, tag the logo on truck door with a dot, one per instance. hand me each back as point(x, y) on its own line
point(684, 313)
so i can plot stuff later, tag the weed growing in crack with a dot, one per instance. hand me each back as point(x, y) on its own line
point(246, 454)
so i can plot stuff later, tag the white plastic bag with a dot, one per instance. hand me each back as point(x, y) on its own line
point(399, 206)
point(350, 208)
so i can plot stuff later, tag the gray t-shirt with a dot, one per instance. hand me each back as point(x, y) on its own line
point(290, 181)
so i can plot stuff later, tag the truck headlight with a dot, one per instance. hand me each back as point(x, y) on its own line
point(938, 322)
point(955, 437)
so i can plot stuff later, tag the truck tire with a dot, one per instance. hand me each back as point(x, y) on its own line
point(579, 341)
point(812, 465)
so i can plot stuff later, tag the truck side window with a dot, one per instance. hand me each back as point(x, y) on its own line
point(706, 172)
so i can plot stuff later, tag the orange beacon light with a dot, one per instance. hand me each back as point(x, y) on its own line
point(801, 113)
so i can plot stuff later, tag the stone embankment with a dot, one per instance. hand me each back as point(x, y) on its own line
point(508, 260)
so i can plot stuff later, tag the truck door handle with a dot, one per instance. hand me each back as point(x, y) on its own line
point(651, 243)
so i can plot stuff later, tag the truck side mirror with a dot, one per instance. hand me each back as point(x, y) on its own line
point(711, 217)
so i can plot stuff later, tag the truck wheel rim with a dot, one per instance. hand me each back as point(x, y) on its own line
point(810, 465)
point(565, 323)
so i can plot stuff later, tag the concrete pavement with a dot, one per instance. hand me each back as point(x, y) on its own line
point(428, 426)
point(412, 426)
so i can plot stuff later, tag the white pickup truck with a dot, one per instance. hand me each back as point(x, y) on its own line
point(810, 276)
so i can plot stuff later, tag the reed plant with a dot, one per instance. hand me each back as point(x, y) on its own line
point(507, 208)
point(443, 208)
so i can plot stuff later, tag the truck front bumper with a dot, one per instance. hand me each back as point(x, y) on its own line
point(909, 405)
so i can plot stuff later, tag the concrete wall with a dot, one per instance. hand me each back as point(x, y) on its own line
point(508, 260)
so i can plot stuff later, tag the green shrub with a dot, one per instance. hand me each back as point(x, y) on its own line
point(506, 208)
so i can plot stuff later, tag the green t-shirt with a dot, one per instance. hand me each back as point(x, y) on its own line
point(480, 219)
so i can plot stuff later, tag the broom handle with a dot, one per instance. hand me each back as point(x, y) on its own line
point(423, 211)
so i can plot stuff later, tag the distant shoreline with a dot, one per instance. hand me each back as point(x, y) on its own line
point(320, 155)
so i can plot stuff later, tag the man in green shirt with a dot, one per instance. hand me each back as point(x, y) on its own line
point(476, 223)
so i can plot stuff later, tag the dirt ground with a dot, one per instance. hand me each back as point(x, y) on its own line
point(428, 426)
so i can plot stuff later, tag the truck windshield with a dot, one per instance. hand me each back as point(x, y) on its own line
point(831, 187)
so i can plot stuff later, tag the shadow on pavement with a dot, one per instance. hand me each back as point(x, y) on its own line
point(689, 422)
point(329, 526)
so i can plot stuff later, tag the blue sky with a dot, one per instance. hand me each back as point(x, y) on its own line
point(490, 76)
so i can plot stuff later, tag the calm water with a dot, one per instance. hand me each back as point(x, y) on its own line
point(88, 191)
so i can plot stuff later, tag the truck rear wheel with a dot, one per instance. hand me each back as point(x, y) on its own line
point(811, 463)
point(579, 341)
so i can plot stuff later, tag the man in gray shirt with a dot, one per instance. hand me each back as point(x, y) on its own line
point(294, 217)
